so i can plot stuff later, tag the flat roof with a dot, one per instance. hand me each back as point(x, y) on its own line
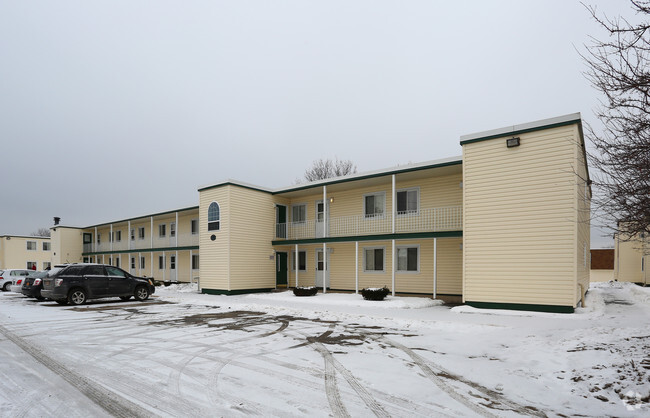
point(521, 128)
point(24, 236)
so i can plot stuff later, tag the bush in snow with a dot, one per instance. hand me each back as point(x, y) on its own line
point(375, 293)
point(305, 291)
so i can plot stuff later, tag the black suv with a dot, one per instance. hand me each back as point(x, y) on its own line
point(77, 283)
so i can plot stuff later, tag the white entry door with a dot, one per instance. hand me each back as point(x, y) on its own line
point(172, 234)
point(320, 219)
point(322, 269)
point(172, 268)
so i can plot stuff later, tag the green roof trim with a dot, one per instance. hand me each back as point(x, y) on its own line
point(382, 237)
point(520, 131)
point(142, 217)
point(369, 176)
point(230, 183)
point(142, 250)
point(522, 307)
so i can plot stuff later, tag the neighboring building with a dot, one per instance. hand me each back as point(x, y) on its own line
point(25, 252)
point(631, 260)
point(505, 226)
point(602, 265)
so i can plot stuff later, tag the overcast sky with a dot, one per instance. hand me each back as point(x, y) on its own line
point(114, 109)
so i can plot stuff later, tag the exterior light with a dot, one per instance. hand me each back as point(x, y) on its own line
point(512, 142)
point(331, 200)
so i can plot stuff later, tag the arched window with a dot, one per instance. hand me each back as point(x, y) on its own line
point(213, 217)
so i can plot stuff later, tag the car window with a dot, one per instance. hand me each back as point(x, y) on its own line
point(94, 271)
point(73, 270)
point(54, 271)
point(115, 272)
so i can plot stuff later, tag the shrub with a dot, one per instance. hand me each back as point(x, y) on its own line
point(375, 293)
point(305, 291)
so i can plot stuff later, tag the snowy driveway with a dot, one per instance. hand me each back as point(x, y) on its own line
point(199, 355)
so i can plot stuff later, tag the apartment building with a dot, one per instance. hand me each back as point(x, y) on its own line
point(25, 252)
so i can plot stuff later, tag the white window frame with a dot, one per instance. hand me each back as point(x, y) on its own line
point(375, 216)
point(142, 262)
point(132, 263)
point(162, 230)
point(215, 221)
point(194, 231)
point(364, 260)
point(417, 201)
point(118, 236)
point(300, 222)
point(34, 246)
point(161, 260)
point(172, 229)
point(397, 248)
point(293, 260)
point(46, 264)
point(29, 267)
point(195, 266)
point(48, 245)
point(132, 234)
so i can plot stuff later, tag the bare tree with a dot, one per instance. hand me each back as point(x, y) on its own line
point(324, 169)
point(619, 67)
point(41, 232)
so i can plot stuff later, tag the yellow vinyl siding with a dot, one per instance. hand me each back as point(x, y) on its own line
point(342, 265)
point(214, 255)
point(629, 260)
point(583, 216)
point(519, 227)
point(251, 229)
point(14, 253)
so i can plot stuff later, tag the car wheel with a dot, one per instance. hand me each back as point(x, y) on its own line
point(141, 293)
point(62, 301)
point(40, 298)
point(125, 297)
point(5, 288)
point(77, 297)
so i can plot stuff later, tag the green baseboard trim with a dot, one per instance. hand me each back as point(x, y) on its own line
point(233, 292)
point(521, 307)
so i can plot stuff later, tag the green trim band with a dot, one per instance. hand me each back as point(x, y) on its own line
point(522, 307)
point(369, 176)
point(413, 235)
point(142, 217)
point(521, 131)
point(143, 250)
point(233, 292)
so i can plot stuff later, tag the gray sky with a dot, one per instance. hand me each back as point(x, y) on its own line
point(113, 109)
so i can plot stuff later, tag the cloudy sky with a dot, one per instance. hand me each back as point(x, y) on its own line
point(113, 109)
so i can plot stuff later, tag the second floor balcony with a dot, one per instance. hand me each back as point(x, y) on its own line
point(424, 220)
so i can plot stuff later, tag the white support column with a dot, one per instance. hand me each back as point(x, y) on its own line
point(128, 236)
point(138, 264)
point(110, 238)
point(151, 217)
point(95, 241)
point(435, 268)
point(103, 259)
point(392, 267)
point(128, 260)
point(151, 265)
point(325, 267)
point(356, 267)
point(191, 271)
point(296, 263)
point(325, 214)
point(164, 265)
point(176, 236)
point(393, 205)
point(177, 260)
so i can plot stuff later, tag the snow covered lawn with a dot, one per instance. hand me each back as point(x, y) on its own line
point(187, 354)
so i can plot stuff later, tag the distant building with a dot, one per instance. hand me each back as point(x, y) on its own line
point(25, 252)
point(631, 260)
point(602, 265)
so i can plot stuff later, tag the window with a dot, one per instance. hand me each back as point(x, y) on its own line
point(132, 263)
point(118, 236)
point(373, 259)
point(161, 262)
point(31, 245)
point(298, 213)
point(99, 238)
point(91, 271)
point(194, 225)
point(47, 265)
point(142, 262)
point(302, 261)
point(172, 229)
point(110, 260)
point(195, 261)
point(47, 246)
point(141, 232)
point(407, 201)
point(31, 265)
point(117, 261)
point(132, 234)
point(408, 259)
point(374, 204)
point(115, 272)
point(162, 230)
point(213, 217)
point(172, 262)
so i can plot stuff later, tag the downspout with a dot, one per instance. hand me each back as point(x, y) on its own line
point(582, 295)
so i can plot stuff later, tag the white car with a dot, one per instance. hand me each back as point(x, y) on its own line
point(9, 277)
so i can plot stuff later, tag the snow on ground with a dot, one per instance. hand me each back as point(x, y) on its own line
point(334, 354)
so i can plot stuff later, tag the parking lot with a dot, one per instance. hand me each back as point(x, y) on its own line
point(166, 357)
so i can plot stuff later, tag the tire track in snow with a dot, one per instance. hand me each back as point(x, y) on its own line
point(108, 400)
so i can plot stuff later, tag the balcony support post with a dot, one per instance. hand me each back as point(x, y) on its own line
point(176, 235)
point(393, 205)
point(325, 234)
point(393, 267)
point(110, 238)
point(95, 241)
point(295, 266)
point(151, 232)
point(128, 235)
point(435, 267)
point(356, 267)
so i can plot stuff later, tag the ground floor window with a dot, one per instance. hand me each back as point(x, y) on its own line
point(117, 261)
point(408, 259)
point(161, 262)
point(31, 265)
point(141, 262)
point(373, 259)
point(47, 265)
point(172, 262)
point(133, 263)
point(195, 261)
point(302, 261)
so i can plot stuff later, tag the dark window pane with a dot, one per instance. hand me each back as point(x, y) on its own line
point(94, 271)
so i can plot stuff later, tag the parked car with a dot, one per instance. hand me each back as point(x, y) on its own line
point(33, 283)
point(77, 283)
point(8, 276)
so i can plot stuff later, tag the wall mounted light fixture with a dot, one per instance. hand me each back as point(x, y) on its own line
point(512, 142)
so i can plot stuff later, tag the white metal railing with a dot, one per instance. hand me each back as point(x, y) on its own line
point(425, 220)
point(184, 240)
